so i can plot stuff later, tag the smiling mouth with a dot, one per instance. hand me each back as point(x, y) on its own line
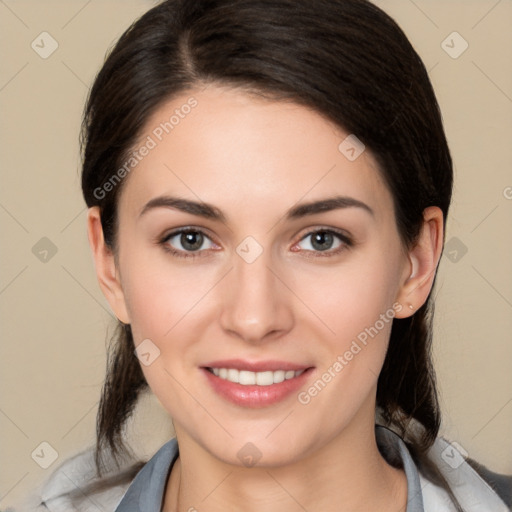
point(248, 378)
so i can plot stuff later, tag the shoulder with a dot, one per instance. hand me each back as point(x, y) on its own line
point(74, 486)
point(476, 488)
point(502, 484)
point(473, 484)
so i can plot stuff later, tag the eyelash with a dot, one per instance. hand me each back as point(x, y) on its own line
point(346, 241)
point(178, 253)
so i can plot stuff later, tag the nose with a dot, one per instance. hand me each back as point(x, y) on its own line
point(257, 306)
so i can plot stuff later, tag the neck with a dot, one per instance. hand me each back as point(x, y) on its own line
point(347, 474)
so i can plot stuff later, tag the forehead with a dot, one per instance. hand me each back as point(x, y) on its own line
point(229, 148)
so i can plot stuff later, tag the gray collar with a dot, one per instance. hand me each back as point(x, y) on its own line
point(396, 452)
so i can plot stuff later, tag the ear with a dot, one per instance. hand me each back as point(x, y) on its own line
point(423, 258)
point(106, 269)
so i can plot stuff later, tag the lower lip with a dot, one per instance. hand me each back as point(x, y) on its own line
point(255, 396)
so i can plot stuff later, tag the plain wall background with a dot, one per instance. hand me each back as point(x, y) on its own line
point(54, 319)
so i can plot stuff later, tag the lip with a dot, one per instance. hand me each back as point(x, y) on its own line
point(256, 366)
point(254, 396)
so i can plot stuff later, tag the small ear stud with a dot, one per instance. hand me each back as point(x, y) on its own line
point(411, 306)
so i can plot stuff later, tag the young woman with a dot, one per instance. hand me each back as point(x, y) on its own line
point(268, 184)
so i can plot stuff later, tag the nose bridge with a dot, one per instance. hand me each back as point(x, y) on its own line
point(255, 304)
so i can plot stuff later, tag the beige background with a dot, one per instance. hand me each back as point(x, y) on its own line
point(54, 318)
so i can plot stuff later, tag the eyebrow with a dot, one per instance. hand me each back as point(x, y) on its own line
point(326, 205)
point(208, 211)
point(185, 205)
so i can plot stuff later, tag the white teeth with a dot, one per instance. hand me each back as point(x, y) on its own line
point(233, 375)
point(248, 378)
point(279, 376)
point(265, 378)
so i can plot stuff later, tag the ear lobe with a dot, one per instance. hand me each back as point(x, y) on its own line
point(106, 270)
point(424, 258)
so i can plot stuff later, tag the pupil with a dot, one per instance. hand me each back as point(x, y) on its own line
point(322, 241)
point(191, 241)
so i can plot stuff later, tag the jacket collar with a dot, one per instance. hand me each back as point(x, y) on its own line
point(147, 490)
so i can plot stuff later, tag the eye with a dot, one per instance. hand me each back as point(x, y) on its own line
point(187, 241)
point(324, 241)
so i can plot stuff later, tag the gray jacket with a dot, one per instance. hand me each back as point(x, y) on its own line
point(476, 488)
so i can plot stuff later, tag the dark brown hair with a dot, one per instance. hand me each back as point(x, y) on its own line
point(347, 60)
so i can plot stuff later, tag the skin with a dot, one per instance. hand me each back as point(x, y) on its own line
point(254, 159)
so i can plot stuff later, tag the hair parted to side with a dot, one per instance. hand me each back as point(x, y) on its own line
point(347, 60)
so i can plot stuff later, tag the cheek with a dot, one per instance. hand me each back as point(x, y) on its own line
point(352, 297)
point(356, 303)
point(171, 305)
point(167, 304)
point(349, 361)
point(160, 294)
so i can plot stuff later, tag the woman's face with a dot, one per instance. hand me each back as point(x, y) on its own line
point(291, 261)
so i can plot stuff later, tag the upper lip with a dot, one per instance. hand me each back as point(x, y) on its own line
point(255, 366)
